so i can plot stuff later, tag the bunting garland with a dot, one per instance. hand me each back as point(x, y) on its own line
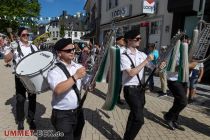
point(31, 20)
point(37, 18)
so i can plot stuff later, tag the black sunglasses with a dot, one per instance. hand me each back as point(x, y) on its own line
point(23, 35)
point(137, 39)
point(69, 50)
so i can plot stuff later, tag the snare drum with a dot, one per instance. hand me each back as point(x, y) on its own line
point(33, 69)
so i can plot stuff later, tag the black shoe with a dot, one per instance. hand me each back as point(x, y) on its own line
point(178, 126)
point(20, 125)
point(169, 123)
point(162, 94)
point(32, 125)
point(120, 102)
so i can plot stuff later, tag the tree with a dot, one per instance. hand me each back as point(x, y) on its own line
point(62, 30)
point(13, 12)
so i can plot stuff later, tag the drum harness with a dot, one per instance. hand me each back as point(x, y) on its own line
point(142, 85)
point(66, 72)
point(20, 53)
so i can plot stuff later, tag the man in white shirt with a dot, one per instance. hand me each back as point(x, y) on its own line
point(24, 48)
point(67, 116)
point(131, 80)
point(177, 84)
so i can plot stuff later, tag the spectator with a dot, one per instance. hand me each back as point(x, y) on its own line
point(163, 76)
point(195, 77)
point(154, 52)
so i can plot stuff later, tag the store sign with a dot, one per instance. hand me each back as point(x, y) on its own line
point(121, 12)
point(149, 6)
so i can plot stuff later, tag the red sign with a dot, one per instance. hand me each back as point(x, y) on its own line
point(144, 24)
point(150, 1)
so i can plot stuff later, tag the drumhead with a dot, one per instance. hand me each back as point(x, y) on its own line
point(34, 62)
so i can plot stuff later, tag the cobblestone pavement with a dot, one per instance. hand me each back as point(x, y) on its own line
point(101, 124)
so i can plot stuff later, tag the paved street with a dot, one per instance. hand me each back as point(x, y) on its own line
point(101, 124)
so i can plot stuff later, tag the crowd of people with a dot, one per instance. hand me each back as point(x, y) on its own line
point(72, 63)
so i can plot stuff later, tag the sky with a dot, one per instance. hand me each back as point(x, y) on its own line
point(54, 8)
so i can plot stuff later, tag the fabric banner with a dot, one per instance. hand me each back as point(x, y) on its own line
point(114, 78)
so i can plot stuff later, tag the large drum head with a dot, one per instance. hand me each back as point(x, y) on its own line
point(34, 63)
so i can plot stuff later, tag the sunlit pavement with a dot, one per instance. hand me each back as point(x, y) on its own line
point(101, 124)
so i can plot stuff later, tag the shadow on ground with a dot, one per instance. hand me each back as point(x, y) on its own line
point(194, 125)
point(41, 123)
point(95, 119)
point(102, 95)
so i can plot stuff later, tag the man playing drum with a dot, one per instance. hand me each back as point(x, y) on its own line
point(23, 49)
point(65, 82)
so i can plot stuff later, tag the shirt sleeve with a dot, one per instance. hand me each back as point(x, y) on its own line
point(125, 62)
point(54, 78)
point(201, 65)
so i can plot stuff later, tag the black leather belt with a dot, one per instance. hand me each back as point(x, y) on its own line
point(133, 86)
point(70, 110)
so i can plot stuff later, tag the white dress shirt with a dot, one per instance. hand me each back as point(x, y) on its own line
point(67, 100)
point(137, 58)
point(122, 49)
point(26, 50)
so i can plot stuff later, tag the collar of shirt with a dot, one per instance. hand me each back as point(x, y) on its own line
point(25, 45)
point(72, 64)
point(129, 51)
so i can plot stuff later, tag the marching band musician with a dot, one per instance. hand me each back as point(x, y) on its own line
point(67, 116)
point(178, 76)
point(131, 79)
point(23, 49)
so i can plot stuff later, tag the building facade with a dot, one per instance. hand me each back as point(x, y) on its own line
point(93, 19)
point(65, 26)
point(149, 16)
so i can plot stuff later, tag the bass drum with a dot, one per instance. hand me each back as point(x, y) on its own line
point(33, 69)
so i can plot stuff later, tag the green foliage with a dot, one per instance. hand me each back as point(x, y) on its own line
point(62, 31)
point(17, 8)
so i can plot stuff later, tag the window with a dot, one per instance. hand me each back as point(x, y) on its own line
point(56, 33)
point(81, 33)
point(53, 34)
point(75, 34)
point(112, 4)
point(155, 27)
point(69, 34)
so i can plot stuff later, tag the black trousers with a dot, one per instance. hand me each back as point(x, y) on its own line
point(20, 101)
point(120, 85)
point(69, 122)
point(179, 91)
point(135, 98)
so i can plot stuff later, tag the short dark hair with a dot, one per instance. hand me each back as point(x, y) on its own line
point(20, 30)
point(152, 45)
point(62, 43)
point(131, 34)
point(184, 36)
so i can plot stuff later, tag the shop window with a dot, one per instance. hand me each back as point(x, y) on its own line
point(111, 4)
point(155, 27)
